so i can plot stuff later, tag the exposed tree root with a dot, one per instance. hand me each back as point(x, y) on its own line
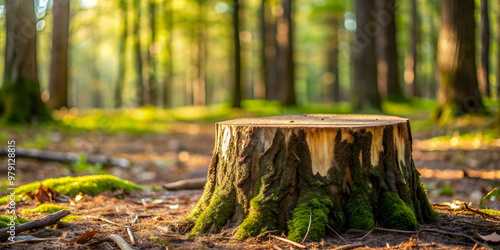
point(43, 222)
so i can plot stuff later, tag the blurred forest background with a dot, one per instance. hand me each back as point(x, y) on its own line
point(344, 56)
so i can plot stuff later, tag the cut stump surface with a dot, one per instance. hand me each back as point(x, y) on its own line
point(350, 171)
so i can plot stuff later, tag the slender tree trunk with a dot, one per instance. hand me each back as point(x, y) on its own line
point(364, 92)
point(237, 56)
point(458, 92)
point(199, 92)
point(411, 60)
point(120, 79)
point(20, 93)
point(269, 50)
point(168, 81)
point(138, 54)
point(484, 70)
point(58, 83)
point(388, 71)
point(285, 55)
point(331, 77)
point(150, 93)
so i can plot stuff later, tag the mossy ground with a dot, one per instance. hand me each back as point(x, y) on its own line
point(4, 220)
point(44, 208)
point(71, 218)
point(90, 184)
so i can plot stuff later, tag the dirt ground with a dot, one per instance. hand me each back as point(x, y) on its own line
point(450, 174)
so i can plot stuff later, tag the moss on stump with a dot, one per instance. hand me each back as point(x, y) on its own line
point(350, 171)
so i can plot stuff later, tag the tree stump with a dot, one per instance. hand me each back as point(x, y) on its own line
point(350, 171)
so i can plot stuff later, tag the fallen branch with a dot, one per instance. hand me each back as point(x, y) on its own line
point(308, 227)
point(43, 222)
point(289, 241)
point(489, 216)
point(333, 230)
point(122, 244)
point(105, 220)
point(67, 157)
point(197, 183)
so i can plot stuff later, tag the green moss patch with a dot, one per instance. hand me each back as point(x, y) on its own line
point(298, 225)
point(44, 208)
point(71, 218)
point(89, 184)
point(491, 212)
point(360, 210)
point(396, 214)
point(4, 220)
point(424, 209)
point(220, 209)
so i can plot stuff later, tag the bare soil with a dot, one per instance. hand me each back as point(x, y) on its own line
point(185, 153)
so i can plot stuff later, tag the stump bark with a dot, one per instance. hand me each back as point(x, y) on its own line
point(350, 171)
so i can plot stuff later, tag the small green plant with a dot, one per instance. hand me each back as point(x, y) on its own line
point(446, 190)
point(44, 208)
point(81, 166)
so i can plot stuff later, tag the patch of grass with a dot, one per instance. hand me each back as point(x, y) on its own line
point(5, 220)
point(44, 208)
point(89, 184)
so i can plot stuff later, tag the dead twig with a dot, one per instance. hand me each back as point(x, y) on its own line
point(105, 220)
point(277, 247)
point(289, 241)
point(43, 222)
point(489, 216)
point(308, 227)
point(364, 236)
point(122, 244)
point(266, 233)
point(132, 237)
point(335, 232)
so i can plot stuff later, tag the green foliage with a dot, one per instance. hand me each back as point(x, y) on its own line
point(493, 194)
point(424, 211)
point(5, 219)
point(252, 225)
point(44, 208)
point(81, 166)
point(395, 213)
point(89, 184)
point(297, 226)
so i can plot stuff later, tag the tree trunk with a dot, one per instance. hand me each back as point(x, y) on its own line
point(285, 64)
point(138, 54)
point(58, 82)
point(168, 82)
point(458, 92)
point(269, 49)
point(388, 72)
point(498, 59)
point(331, 77)
point(20, 99)
point(484, 70)
point(350, 171)
point(120, 79)
point(364, 92)
point(199, 92)
point(411, 61)
point(150, 84)
point(237, 56)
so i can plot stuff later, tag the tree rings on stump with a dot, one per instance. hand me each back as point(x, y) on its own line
point(350, 171)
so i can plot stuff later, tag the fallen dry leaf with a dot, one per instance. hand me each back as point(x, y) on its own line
point(184, 202)
point(494, 237)
point(85, 237)
point(43, 194)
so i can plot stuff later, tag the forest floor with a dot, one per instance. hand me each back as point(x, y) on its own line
point(455, 169)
